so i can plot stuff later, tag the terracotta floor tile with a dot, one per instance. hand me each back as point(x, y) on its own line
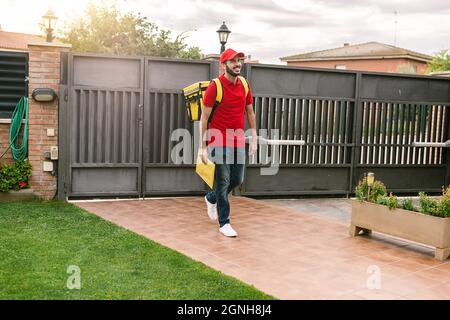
point(374, 294)
point(435, 274)
point(444, 267)
point(286, 252)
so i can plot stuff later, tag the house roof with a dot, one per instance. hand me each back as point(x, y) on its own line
point(18, 41)
point(368, 50)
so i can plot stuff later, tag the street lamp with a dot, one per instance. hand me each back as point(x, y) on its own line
point(49, 21)
point(223, 36)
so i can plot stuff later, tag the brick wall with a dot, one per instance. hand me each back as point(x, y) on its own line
point(4, 142)
point(44, 72)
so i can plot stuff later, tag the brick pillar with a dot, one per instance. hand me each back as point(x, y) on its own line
point(44, 72)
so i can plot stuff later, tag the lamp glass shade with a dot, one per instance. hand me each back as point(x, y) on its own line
point(44, 94)
point(370, 178)
point(223, 32)
point(49, 19)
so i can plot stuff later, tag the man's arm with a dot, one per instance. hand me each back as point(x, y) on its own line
point(252, 123)
point(206, 112)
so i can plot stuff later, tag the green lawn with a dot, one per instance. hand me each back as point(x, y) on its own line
point(40, 240)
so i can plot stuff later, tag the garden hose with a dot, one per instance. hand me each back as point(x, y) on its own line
point(20, 114)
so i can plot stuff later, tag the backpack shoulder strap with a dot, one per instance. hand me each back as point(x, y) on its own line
point(245, 84)
point(219, 90)
point(219, 96)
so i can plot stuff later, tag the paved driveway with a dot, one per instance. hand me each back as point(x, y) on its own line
point(292, 249)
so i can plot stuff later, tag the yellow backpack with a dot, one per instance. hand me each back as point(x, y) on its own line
point(193, 97)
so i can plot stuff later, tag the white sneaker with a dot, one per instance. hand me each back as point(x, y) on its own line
point(228, 231)
point(212, 209)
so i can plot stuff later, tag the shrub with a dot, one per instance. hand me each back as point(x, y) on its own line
point(444, 204)
point(428, 205)
point(14, 176)
point(392, 202)
point(407, 204)
point(377, 190)
point(382, 200)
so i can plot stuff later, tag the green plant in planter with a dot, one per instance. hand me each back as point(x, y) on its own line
point(407, 204)
point(14, 176)
point(428, 205)
point(377, 190)
point(382, 200)
point(392, 202)
point(444, 204)
point(361, 190)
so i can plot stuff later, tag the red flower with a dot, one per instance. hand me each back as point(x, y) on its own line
point(22, 184)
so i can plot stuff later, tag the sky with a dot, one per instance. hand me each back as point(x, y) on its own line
point(269, 29)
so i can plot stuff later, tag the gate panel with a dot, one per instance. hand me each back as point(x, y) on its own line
point(310, 105)
point(106, 95)
point(395, 112)
point(163, 113)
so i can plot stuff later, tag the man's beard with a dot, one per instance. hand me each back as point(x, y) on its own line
point(230, 71)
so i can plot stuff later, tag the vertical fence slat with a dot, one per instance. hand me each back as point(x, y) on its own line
point(336, 133)
point(323, 134)
point(407, 133)
point(284, 128)
point(311, 122)
point(372, 129)
point(98, 127)
point(377, 133)
point(83, 126)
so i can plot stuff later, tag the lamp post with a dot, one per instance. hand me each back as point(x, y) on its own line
point(223, 32)
point(370, 181)
point(49, 21)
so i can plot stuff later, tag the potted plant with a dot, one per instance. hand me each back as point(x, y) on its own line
point(429, 223)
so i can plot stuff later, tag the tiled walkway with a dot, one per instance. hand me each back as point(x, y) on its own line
point(285, 251)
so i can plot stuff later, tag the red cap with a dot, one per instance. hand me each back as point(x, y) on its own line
point(230, 54)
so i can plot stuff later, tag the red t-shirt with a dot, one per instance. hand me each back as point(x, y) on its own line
point(229, 114)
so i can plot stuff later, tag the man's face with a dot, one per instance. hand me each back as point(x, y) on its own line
point(233, 67)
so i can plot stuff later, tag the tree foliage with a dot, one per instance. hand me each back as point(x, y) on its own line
point(440, 62)
point(104, 29)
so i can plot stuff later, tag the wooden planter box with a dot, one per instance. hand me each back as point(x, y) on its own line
point(409, 225)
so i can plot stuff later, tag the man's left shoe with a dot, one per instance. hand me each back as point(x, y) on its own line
point(228, 231)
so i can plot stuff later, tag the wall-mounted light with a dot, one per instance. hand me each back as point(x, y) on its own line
point(44, 94)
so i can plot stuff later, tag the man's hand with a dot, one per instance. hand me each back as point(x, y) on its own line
point(253, 147)
point(203, 152)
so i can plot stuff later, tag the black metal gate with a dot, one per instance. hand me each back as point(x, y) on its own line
point(117, 115)
point(352, 122)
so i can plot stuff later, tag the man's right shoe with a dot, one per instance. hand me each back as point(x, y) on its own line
point(212, 209)
point(228, 231)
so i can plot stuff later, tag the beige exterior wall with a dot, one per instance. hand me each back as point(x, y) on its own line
point(376, 65)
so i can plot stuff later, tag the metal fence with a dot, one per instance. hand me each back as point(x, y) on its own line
point(117, 115)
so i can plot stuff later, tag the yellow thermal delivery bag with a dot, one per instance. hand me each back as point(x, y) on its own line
point(193, 96)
